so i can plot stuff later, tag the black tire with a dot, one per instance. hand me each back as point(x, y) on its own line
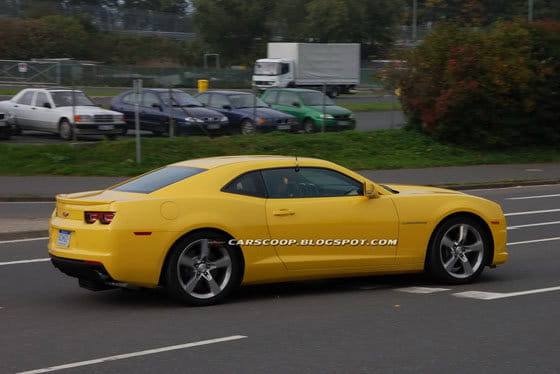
point(333, 92)
point(157, 133)
point(111, 136)
point(65, 130)
point(124, 131)
point(459, 251)
point(247, 127)
point(203, 269)
point(308, 126)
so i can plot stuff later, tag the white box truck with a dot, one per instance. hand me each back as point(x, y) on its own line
point(309, 65)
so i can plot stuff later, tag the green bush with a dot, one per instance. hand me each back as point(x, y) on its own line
point(495, 87)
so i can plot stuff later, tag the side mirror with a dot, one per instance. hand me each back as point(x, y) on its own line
point(296, 104)
point(226, 106)
point(157, 106)
point(369, 190)
point(47, 105)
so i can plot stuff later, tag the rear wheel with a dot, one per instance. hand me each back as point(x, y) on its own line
point(65, 130)
point(203, 269)
point(333, 92)
point(459, 251)
point(111, 136)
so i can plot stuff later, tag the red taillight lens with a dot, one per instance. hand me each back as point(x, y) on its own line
point(103, 217)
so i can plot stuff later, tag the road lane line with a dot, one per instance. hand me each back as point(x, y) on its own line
point(481, 295)
point(422, 290)
point(134, 354)
point(23, 240)
point(534, 241)
point(533, 224)
point(24, 261)
point(532, 197)
point(532, 212)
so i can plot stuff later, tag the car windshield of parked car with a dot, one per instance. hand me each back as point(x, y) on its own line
point(267, 68)
point(66, 98)
point(246, 101)
point(179, 99)
point(157, 179)
point(315, 99)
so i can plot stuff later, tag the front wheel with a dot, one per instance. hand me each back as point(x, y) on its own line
point(65, 130)
point(459, 251)
point(247, 127)
point(308, 126)
point(203, 269)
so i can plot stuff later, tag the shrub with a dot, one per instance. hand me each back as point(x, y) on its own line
point(494, 87)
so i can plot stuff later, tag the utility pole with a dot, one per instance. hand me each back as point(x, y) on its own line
point(531, 5)
point(414, 18)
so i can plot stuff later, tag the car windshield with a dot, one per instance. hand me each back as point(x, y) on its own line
point(246, 101)
point(179, 98)
point(315, 99)
point(65, 98)
point(267, 68)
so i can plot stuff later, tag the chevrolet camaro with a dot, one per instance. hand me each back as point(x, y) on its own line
point(201, 228)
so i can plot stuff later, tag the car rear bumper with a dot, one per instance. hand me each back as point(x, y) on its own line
point(88, 270)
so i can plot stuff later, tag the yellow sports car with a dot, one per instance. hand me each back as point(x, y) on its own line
point(202, 227)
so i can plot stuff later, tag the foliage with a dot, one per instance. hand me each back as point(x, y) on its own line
point(496, 88)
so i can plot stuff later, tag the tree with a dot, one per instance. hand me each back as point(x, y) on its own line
point(234, 28)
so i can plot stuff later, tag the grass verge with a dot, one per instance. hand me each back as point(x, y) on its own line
point(386, 149)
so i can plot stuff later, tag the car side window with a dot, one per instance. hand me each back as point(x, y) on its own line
point(250, 184)
point(218, 101)
point(149, 99)
point(41, 99)
point(287, 98)
point(129, 99)
point(271, 97)
point(204, 98)
point(286, 183)
point(26, 98)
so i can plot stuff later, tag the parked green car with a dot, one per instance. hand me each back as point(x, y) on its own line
point(311, 108)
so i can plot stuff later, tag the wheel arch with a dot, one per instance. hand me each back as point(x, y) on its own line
point(161, 281)
point(471, 215)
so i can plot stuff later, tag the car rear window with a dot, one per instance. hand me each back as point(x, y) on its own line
point(158, 179)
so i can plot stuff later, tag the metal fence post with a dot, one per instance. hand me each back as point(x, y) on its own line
point(171, 124)
point(137, 91)
point(324, 107)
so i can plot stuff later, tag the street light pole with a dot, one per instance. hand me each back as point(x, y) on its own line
point(414, 18)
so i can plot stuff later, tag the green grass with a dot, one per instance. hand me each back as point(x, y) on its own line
point(371, 107)
point(387, 149)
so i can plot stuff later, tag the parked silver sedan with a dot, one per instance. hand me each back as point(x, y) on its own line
point(62, 111)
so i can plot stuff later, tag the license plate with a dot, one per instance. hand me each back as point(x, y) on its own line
point(63, 238)
point(106, 127)
point(283, 127)
point(213, 126)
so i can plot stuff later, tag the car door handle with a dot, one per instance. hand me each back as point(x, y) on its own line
point(283, 212)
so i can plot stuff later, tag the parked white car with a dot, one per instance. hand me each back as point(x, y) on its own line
point(7, 128)
point(61, 111)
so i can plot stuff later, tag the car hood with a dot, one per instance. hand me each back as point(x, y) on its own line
point(405, 189)
point(264, 113)
point(335, 110)
point(197, 112)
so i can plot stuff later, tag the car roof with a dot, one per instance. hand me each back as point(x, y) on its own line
point(252, 160)
point(223, 92)
point(293, 89)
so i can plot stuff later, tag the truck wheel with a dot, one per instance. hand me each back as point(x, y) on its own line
point(65, 130)
point(333, 92)
point(308, 126)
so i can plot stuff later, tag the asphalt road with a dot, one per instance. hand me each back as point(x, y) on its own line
point(370, 325)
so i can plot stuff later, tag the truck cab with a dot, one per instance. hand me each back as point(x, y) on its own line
point(273, 72)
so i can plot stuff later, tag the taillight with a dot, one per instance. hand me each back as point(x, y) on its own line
point(103, 217)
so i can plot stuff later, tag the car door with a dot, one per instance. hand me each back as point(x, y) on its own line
point(289, 102)
point(152, 115)
point(43, 115)
point(327, 219)
point(126, 106)
point(22, 110)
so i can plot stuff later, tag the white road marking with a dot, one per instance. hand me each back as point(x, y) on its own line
point(533, 224)
point(134, 354)
point(422, 290)
point(23, 240)
point(532, 212)
point(24, 261)
point(534, 241)
point(481, 295)
point(532, 197)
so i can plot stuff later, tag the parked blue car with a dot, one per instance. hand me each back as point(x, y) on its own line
point(246, 112)
point(157, 105)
